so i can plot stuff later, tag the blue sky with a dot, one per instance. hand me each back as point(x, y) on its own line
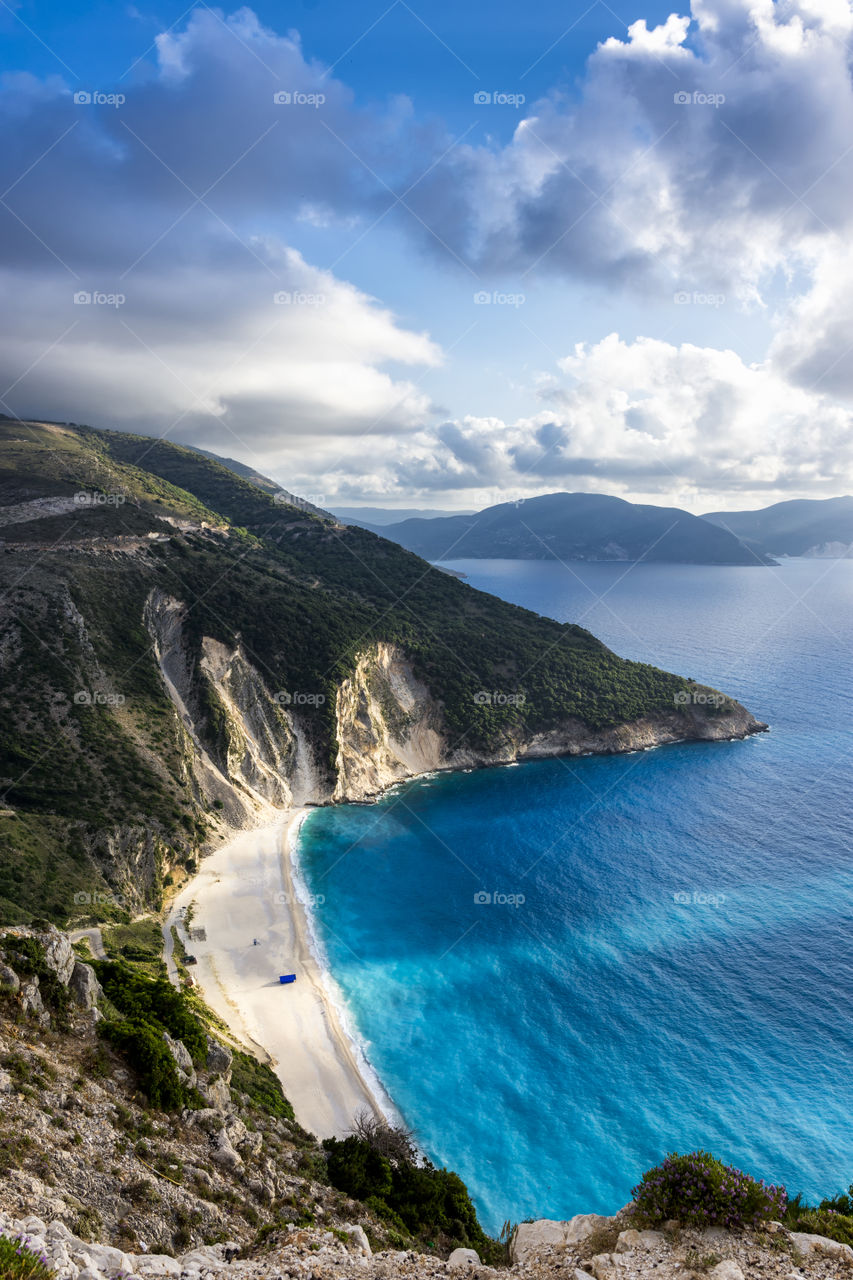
point(632, 276)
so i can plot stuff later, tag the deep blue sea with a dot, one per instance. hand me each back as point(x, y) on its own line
point(666, 961)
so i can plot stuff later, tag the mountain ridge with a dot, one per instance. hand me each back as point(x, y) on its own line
point(574, 526)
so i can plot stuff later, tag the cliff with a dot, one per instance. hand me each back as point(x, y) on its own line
point(184, 652)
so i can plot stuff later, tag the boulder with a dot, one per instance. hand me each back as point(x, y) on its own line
point(183, 1061)
point(59, 955)
point(155, 1264)
point(728, 1269)
point(822, 1246)
point(31, 1001)
point(223, 1152)
point(107, 1260)
point(216, 1093)
point(533, 1237)
point(10, 983)
point(219, 1058)
point(465, 1259)
point(631, 1239)
point(84, 988)
point(361, 1242)
point(6, 1085)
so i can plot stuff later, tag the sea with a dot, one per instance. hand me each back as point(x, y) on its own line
point(563, 970)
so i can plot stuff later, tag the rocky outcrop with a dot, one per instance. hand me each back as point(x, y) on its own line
point(389, 728)
point(245, 750)
point(83, 987)
point(318, 1254)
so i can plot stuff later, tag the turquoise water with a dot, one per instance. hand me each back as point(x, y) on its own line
point(679, 972)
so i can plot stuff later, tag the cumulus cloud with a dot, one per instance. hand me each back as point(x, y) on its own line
point(711, 151)
point(645, 419)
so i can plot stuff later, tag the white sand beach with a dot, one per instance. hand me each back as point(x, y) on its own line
point(256, 930)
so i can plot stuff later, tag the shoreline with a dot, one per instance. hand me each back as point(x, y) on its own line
point(257, 925)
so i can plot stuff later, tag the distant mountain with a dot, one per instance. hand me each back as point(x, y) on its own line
point(802, 527)
point(573, 526)
point(378, 517)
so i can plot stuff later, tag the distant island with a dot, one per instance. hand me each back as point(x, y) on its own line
point(814, 527)
point(574, 526)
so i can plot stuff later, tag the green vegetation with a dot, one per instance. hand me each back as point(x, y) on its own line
point(144, 1009)
point(260, 1083)
point(27, 957)
point(832, 1217)
point(17, 1262)
point(90, 742)
point(432, 1205)
point(699, 1190)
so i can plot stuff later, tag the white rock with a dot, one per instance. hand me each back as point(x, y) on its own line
point(107, 1259)
point(466, 1258)
point(155, 1264)
point(359, 1238)
point(84, 987)
point(821, 1245)
point(632, 1239)
point(533, 1237)
point(728, 1269)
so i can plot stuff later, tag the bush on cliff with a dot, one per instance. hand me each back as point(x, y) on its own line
point(142, 999)
point(832, 1217)
point(701, 1191)
point(426, 1201)
point(147, 1052)
point(146, 1008)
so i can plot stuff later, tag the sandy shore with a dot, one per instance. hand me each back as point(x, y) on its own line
point(257, 929)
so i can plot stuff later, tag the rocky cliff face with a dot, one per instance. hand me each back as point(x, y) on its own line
point(389, 727)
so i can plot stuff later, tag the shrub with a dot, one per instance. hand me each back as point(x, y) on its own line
point(147, 1052)
point(418, 1198)
point(702, 1191)
point(832, 1217)
point(156, 1001)
point(356, 1169)
point(261, 1085)
point(19, 1262)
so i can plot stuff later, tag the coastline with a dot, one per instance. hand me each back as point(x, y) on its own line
point(247, 890)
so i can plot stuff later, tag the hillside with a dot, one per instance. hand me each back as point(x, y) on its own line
point(183, 652)
point(802, 527)
point(573, 526)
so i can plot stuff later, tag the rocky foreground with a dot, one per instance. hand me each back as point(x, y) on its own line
point(587, 1247)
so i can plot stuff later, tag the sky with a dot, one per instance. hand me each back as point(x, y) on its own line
point(440, 255)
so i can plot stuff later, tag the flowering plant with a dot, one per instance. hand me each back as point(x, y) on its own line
point(699, 1190)
point(19, 1262)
